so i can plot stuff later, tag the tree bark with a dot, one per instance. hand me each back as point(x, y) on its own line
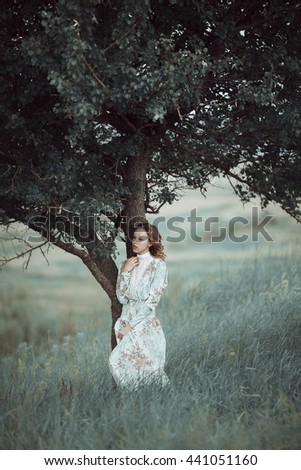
point(135, 181)
point(105, 272)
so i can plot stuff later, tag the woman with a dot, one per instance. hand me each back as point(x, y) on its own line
point(140, 352)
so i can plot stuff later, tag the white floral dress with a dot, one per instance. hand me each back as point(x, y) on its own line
point(140, 355)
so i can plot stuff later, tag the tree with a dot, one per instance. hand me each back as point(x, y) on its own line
point(109, 106)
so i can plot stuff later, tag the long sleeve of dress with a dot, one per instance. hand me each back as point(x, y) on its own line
point(122, 285)
point(147, 306)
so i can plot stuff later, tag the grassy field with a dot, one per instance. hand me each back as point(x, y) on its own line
point(233, 360)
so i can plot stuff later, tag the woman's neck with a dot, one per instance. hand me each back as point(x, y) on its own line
point(144, 255)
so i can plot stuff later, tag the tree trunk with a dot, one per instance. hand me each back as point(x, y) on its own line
point(105, 272)
point(135, 181)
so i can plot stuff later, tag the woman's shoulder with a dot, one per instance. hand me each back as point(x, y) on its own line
point(158, 262)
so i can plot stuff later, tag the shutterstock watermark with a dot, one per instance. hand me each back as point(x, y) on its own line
point(175, 229)
point(214, 230)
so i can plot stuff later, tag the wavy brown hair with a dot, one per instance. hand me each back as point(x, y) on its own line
point(156, 249)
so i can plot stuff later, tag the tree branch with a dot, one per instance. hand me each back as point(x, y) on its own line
point(94, 74)
point(4, 261)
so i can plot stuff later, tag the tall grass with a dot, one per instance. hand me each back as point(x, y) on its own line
point(233, 359)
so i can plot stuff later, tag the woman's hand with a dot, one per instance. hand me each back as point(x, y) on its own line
point(121, 333)
point(130, 264)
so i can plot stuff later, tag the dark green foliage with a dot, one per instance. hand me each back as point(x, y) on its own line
point(204, 88)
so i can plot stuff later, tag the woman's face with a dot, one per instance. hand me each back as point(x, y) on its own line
point(140, 242)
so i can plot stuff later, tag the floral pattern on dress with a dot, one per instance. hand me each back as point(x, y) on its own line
point(140, 355)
